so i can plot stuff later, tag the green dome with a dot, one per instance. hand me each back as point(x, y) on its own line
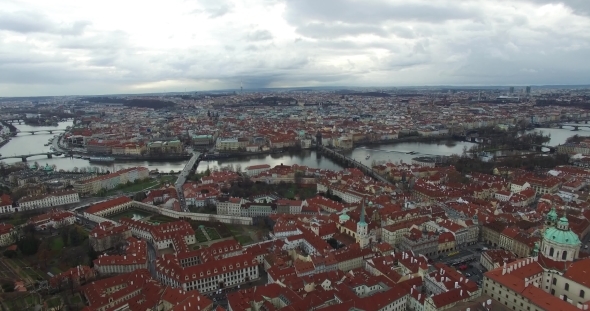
point(562, 236)
point(344, 217)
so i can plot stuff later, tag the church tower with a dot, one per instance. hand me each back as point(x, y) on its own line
point(560, 245)
point(362, 229)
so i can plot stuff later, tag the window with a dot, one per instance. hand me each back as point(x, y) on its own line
point(582, 294)
point(564, 297)
point(567, 286)
point(551, 251)
point(554, 281)
point(553, 292)
point(564, 255)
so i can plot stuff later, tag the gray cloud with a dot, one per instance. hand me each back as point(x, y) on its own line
point(260, 35)
point(328, 42)
point(34, 22)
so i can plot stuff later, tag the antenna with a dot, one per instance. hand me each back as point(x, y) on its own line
point(241, 87)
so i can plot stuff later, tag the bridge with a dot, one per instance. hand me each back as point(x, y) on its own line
point(539, 147)
point(365, 169)
point(37, 131)
point(576, 126)
point(24, 157)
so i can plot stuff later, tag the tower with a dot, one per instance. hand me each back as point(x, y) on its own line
point(550, 219)
point(241, 88)
point(362, 229)
point(318, 138)
point(560, 245)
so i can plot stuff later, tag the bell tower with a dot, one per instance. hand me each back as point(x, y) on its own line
point(362, 228)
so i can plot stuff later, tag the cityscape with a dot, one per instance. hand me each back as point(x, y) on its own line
point(266, 155)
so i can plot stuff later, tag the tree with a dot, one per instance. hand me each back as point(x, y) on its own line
point(28, 245)
point(238, 168)
point(76, 169)
point(298, 177)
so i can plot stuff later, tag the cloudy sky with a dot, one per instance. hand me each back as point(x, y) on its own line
point(67, 47)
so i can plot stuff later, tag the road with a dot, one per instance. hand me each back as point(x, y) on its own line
point(182, 179)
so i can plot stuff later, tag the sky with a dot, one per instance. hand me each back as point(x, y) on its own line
point(73, 47)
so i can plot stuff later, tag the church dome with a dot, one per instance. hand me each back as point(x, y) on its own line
point(565, 237)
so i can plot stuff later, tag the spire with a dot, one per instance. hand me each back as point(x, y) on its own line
point(363, 212)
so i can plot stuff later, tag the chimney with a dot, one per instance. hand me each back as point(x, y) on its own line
point(419, 296)
point(456, 284)
point(461, 293)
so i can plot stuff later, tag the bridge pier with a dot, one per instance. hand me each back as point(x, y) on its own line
point(49, 155)
point(50, 132)
point(24, 159)
point(561, 126)
point(575, 128)
point(32, 132)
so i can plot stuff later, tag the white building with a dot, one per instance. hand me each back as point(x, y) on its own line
point(49, 200)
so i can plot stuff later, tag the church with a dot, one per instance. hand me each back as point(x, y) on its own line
point(553, 278)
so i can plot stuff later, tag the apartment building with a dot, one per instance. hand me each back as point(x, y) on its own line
point(49, 200)
point(231, 143)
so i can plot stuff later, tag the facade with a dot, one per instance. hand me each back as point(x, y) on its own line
point(110, 181)
point(8, 234)
point(6, 204)
point(256, 169)
point(107, 208)
point(230, 206)
point(49, 200)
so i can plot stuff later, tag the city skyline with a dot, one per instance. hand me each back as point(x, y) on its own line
point(70, 48)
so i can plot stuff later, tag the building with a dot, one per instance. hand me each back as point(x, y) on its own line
point(110, 181)
point(138, 291)
point(177, 234)
point(49, 200)
point(107, 208)
point(8, 234)
point(6, 204)
point(135, 257)
point(552, 279)
point(53, 219)
point(204, 272)
point(107, 235)
point(72, 278)
point(230, 206)
point(256, 169)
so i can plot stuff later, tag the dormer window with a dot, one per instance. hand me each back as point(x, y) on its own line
point(208, 272)
point(223, 268)
point(215, 270)
point(238, 265)
point(231, 267)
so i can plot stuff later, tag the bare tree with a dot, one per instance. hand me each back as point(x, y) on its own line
point(238, 168)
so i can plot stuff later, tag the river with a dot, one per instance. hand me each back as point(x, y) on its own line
point(25, 143)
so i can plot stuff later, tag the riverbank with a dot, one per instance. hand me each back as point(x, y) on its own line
point(409, 139)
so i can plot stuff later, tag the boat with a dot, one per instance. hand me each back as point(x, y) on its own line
point(368, 157)
point(46, 144)
point(85, 158)
point(58, 154)
point(78, 156)
point(101, 159)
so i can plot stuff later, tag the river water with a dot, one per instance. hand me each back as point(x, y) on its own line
point(25, 143)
